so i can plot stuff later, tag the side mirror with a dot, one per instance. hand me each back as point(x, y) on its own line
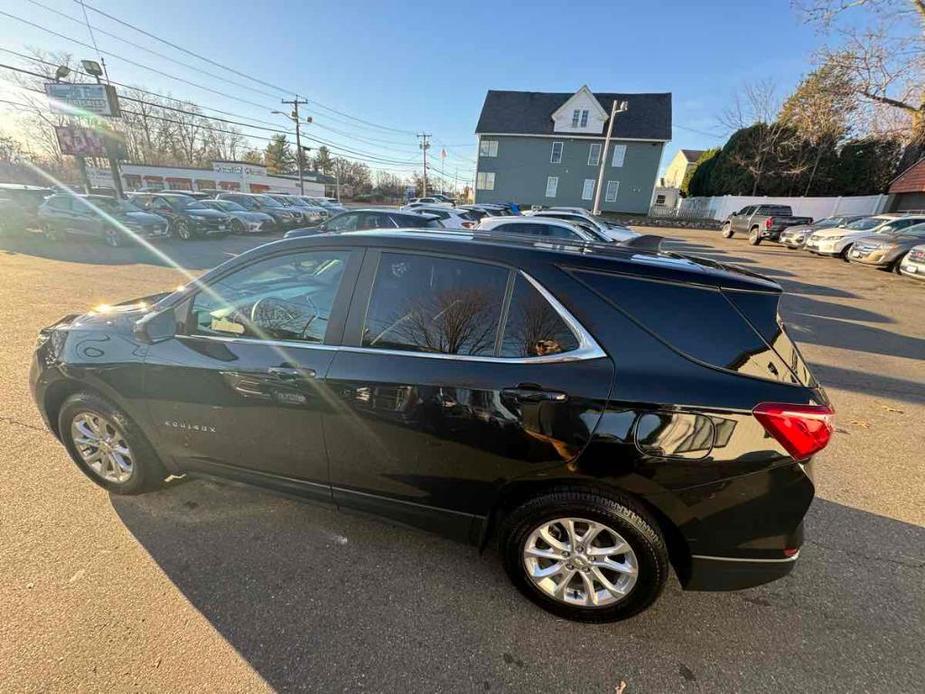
point(156, 327)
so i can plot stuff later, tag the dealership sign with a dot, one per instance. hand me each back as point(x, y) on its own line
point(80, 99)
point(80, 142)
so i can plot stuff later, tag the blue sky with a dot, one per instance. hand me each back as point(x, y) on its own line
point(421, 66)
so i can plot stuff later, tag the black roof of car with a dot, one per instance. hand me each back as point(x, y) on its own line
point(606, 257)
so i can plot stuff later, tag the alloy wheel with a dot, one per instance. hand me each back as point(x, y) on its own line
point(183, 230)
point(580, 562)
point(102, 446)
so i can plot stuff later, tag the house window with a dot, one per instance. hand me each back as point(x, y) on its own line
point(488, 148)
point(594, 154)
point(552, 184)
point(613, 187)
point(576, 115)
point(584, 118)
point(485, 180)
point(619, 154)
point(556, 156)
point(587, 190)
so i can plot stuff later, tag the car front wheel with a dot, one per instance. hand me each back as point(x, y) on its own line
point(584, 556)
point(727, 230)
point(107, 446)
point(183, 230)
point(112, 237)
point(754, 238)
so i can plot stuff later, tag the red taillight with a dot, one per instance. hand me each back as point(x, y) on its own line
point(802, 429)
point(768, 222)
point(469, 225)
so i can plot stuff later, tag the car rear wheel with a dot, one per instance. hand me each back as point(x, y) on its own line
point(753, 236)
point(107, 446)
point(727, 230)
point(845, 251)
point(897, 264)
point(50, 232)
point(237, 226)
point(584, 556)
point(112, 238)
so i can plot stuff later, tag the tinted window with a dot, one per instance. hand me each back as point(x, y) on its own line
point(283, 298)
point(709, 328)
point(533, 328)
point(411, 220)
point(421, 303)
point(375, 220)
point(344, 222)
point(867, 223)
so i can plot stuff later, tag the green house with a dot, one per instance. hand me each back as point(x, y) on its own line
point(540, 148)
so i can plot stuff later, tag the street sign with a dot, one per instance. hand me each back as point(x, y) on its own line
point(80, 99)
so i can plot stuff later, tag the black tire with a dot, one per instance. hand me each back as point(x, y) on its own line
point(631, 521)
point(844, 252)
point(727, 230)
point(897, 264)
point(148, 473)
point(184, 233)
point(50, 233)
point(754, 238)
point(237, 226)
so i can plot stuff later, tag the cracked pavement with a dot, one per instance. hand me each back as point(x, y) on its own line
point(217, 587)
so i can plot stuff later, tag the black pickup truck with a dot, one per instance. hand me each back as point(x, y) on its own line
point(762, 222)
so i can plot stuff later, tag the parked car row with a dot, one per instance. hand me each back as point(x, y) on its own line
point(155, 214)
point(892, 241)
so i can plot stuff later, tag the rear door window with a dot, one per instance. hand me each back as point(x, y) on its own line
point(533, 327)
point(423, 303)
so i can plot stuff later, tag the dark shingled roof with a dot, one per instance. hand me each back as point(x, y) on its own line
point(692, 154)
point(648, 116)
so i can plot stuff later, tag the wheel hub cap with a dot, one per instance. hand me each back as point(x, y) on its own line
point(580, 562)
point(102, 446)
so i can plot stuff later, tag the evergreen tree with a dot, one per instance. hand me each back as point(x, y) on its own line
point(278, 156)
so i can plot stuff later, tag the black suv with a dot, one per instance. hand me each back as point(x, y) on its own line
point(188, 218)
point(371, 218)
point(551, 398)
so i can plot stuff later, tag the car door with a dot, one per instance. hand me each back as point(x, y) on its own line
point(454, 376)
point(241, 388)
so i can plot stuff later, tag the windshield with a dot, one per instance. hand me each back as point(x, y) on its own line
point(867, 223)
point(267, 201)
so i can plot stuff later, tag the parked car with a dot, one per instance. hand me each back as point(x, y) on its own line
point(444, 198)
point(429, 200)
point(458, 390)
point(837, 242)
point(187, 217)
point(310, 214)
point(450, 217)
point(195, 194)
point(484, 210)
point(243, 221)
point(542, 229)
point(887, 250)
point(370, 218)
point(112, 220)
point(762, 222)
point(913, 264)
point(19, 206)
point(795, 236)
point(606, 228)
point(286, 217)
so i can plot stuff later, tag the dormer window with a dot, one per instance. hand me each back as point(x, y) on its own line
point(576, 114)
point(580, 118)
point(584, 118)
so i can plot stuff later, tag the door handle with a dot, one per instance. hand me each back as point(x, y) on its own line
point(534, 395)
point(285, 373)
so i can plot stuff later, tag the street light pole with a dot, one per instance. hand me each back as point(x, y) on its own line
point(617, 107)
point(298, 137)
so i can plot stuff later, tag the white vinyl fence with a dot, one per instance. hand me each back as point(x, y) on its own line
point(817, 208)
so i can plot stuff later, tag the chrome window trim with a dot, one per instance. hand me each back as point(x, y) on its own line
point(587, 348)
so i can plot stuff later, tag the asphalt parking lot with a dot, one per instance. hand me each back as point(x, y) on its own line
point(213, 587)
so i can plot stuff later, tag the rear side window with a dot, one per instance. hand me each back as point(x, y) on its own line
point(411, 220)
point(423, 303)
point(533, 328)
point(698, 322)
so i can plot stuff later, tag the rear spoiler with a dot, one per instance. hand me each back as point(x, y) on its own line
point(646, 242)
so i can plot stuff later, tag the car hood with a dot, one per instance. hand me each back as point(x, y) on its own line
point(841, 231)
point(249, 216)
point(894, 240)
point(206, 214)
point(800, 229)
point(142, 218)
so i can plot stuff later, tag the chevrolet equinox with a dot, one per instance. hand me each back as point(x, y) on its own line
point(604, 413)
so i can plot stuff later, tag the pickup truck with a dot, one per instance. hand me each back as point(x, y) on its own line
point(762, 222)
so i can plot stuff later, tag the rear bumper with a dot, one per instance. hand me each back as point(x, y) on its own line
point(740, 532)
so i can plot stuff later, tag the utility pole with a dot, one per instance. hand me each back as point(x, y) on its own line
point(617, 107)
point(295, 103)
point(424, 145)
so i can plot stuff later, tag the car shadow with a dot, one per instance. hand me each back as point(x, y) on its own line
point(870, 383)
point(314, 599)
